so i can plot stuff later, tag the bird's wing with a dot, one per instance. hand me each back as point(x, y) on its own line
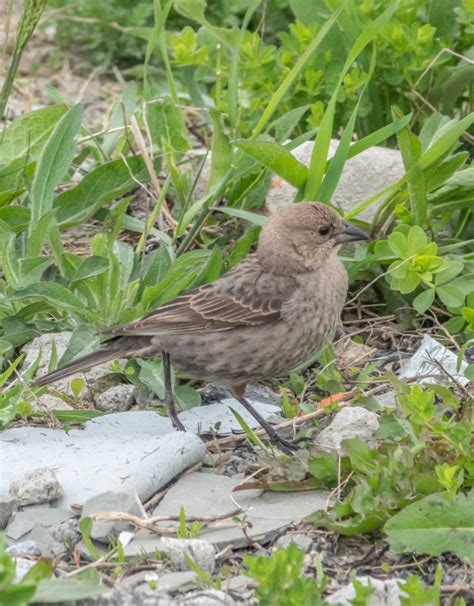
point(246, 296)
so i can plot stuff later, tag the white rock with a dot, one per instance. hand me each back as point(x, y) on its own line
point(349, 422)
point(106, 502)
point(208, 597)
point(89, 461)
point(37, 486)
point(422, 366)
point(386, 593)
point(117, 398)
point(302, 541)
point(211, 496)
point(363, 175)
point(201, 552)
point(23, 566)
point(263, 515)
point(22, 549)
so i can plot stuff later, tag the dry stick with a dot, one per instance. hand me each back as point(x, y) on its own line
point(151, 169)
point(151, 523)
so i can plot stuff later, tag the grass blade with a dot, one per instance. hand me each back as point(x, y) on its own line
point(295, 71)
point(317, 165)
point(336, 164)
point(276, 158)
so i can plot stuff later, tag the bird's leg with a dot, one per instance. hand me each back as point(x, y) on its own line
point(284, 445)
point(169, 400)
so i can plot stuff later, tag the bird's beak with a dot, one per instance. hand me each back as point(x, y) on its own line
point(350, 233)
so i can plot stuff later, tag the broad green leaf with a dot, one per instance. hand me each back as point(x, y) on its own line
point(32, 269)
point(416, 240)
point(151, 374)
point(49, 291)
point(25, 136)
point(451, 295)
point(83, 340)
point(221, 153)
point(305, 11)
point(211, 271)
point(454, 268)
point(187, 397)
point(16, 217)
point(90, 267)
point(398, 243)
point(53, 165)
point(437, 524)
point(179, 277)
point(424, 300)
point(67, 590)
point(102, 185)
point(166, 123)
point(276, 158)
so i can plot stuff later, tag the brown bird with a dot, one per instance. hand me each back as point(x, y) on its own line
point(259, 321)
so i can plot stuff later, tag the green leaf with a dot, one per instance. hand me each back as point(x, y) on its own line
point(53, 164)
point(246, 215)
point(67, 590)
point(336, 164)
point(166, 122)
point(221, 153)
point(83, 340)
point(454, 268)
point(90, 267)
point(398, 243)
point(26, 135)
point(102, 185)
point(187, 397)
point(435, 525)
point(305, 11)
point(151, 374)
point(451, 295)
point(319, 154)
point(350, 526)
point(16, 217)
point(49, 291)
point(285, 124)
point(424, 300)
point(293, 74)
point(444, 143)
point(32, 269)
point(379, 136)
point(276, 158)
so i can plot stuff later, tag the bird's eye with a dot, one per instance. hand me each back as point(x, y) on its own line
point(324, 230)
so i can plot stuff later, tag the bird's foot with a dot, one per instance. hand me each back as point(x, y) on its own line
point(286, 446)
point(177, 423)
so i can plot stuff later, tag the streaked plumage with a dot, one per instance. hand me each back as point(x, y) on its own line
point(258, 321)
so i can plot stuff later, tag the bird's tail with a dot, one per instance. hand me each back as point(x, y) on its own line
point(112, 350)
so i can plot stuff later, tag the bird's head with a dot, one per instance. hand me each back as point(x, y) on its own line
point(301, 236)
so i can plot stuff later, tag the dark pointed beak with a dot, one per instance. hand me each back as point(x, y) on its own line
point(350, 233)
